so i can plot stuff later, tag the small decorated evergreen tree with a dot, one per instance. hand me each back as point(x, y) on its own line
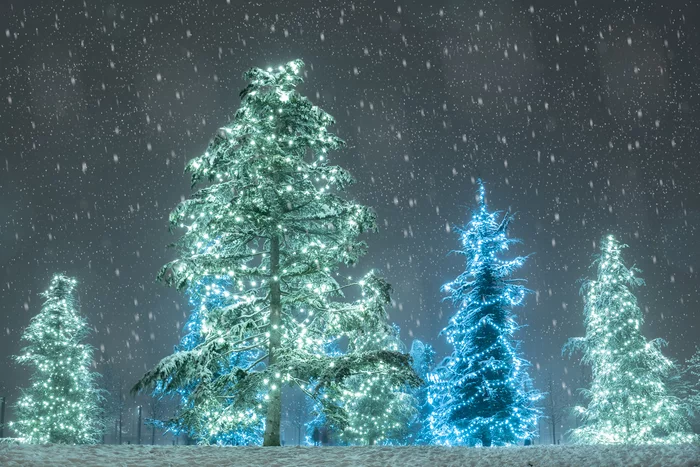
point(62, 405)
point(269, 216)
point(628, 399)
point(481, 394)
point(378, 411)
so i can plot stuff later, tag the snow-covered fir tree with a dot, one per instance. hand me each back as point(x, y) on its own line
point(378, 410)
point(269, 216)
point(203, 422)
point(423, 356)
point(62, 405)
point(628, 398)
point(481, 394)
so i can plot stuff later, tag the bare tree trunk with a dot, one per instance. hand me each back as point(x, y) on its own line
point(553, 414)
point(274, 408)
point(2, 417)
point(486, 438)
point(138, 429)
point(121, 409)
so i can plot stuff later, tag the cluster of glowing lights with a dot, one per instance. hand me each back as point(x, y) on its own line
point(61, 405)
point(484, 369)
point(378, 412)
point(629, 402)
point(266, 176)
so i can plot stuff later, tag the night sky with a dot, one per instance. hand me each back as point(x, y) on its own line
point(581, 116)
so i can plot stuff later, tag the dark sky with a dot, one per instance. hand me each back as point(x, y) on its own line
point(581, 116)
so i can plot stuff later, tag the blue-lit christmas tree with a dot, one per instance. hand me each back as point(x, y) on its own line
point(481, 394)
point(207, 423)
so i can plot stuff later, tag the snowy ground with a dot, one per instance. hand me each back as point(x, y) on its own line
point(191, 456)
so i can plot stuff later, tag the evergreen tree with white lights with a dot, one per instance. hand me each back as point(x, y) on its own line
point(378, 411)
point(628, 399)
point(481, 393)
point(268, 215)
point(62, 405)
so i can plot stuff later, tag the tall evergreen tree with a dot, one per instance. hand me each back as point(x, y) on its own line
point(481, 394)
point(378, 411)
point(271, 219)
point(628, 399)
point(62, 405)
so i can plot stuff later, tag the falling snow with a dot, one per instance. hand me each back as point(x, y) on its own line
point(583, 120)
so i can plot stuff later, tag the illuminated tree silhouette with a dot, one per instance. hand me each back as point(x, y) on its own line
point(628, 398)
point(272, 220)
point(62, 405)
point(481, 394)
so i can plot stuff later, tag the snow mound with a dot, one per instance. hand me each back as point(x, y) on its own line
point(380, 456)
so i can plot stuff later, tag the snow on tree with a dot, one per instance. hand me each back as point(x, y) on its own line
point(482, 394)
point(692, 373)
point(269, 216)
point(62, 405)
point(204, 422)
point(629, 401)
point(423, 357)
point(378, 410)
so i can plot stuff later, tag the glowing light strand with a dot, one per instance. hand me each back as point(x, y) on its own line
point(482, 394)
point(62, 403)
point(628, 399)
point(269, 216)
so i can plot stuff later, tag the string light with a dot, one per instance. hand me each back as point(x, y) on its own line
point(268, 217)
point(629, 402)
point(61, 405)
point(482, 394)
point(378, 412)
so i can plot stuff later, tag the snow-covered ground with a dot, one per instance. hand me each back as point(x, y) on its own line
point(191, 456)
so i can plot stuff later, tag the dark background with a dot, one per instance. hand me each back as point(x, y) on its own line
point(581, 116)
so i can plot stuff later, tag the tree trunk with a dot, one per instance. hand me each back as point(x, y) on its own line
point(553, 418)
point(2, 417)
point(153, 435)
point(486, 438)
point(553, 413)
point(138, 430)
point(274, 408)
